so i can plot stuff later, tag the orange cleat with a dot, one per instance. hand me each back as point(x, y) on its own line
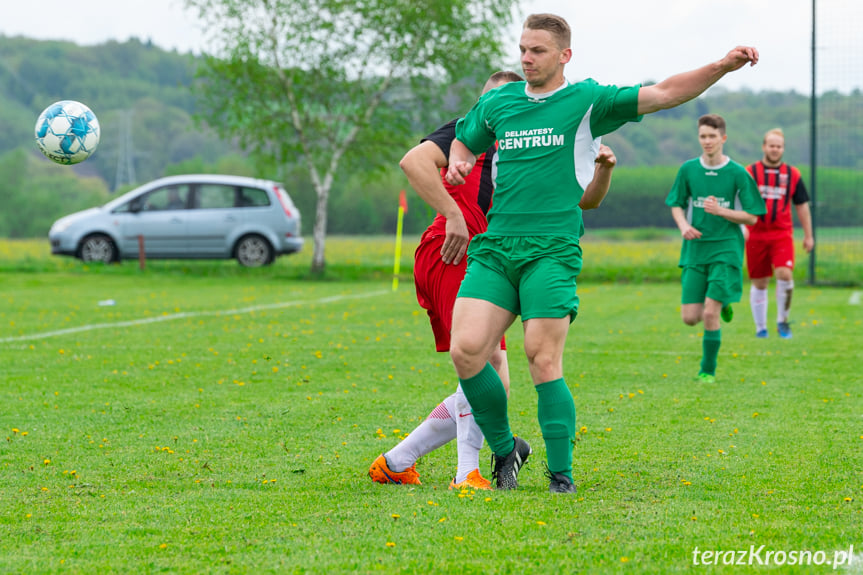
point(381, 473)
point(473, 481)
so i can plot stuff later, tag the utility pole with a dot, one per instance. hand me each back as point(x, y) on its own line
point(125, 173)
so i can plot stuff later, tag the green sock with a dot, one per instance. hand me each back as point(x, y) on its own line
point(556, 414)
point(487, 398)
point(710, 350)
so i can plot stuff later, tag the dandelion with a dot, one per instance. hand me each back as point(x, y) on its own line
point(459, 538)
point(624, 559)
point(390, 544)
point(441, 520)
point(540, 522)
point(395, 516)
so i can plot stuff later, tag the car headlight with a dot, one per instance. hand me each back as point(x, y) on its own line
point(60, 226)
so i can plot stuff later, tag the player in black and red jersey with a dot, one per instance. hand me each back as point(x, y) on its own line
point(439, 266)
point(770, 243)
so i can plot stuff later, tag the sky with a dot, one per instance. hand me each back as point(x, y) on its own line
point(620, 42)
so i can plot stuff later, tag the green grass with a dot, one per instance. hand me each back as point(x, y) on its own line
point(231, 432)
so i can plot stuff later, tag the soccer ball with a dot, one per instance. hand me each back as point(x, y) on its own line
point(67, 132)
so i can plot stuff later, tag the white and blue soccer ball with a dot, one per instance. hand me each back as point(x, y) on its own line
point(67, 132)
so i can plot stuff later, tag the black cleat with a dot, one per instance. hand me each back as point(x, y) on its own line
point(559, 483)
point(504, 470)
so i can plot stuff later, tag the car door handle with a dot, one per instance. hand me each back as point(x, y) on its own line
point(176, 220)
point(230, 219)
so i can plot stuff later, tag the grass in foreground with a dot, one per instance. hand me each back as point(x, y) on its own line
point(228, 424)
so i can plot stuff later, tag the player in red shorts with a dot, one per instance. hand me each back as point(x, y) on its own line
point(438, 271)
point(439, 266)
point(770, 243)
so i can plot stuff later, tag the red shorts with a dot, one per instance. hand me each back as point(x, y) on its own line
point(437, 285)
point(764, 256)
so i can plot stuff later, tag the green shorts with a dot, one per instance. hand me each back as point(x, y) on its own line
point(719, 281)
point(531, 276)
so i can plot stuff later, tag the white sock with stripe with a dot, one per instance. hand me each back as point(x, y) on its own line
point(438, 429)
point(758, 303)
point(469, 437)
point(783, 299)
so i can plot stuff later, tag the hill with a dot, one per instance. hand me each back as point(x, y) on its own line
point(145, 99)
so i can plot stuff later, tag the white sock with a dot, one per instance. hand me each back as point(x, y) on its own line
point(783, 299)
point(758, 303)
point(469, 437)
point(438, 429)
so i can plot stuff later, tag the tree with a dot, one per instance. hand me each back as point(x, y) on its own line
point(327, 82)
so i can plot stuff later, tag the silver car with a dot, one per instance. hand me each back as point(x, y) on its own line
point(186, 217)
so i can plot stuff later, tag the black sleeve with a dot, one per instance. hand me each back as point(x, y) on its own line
point(800, 196)
point(443, 137)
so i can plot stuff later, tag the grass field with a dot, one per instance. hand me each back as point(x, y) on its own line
point(221, 420)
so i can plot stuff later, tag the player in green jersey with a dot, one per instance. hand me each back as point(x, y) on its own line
point(711, 197)
point(528, 260)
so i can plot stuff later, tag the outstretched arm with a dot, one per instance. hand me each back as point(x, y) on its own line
point(422, 165)
point(683, 87)
point(598, 186)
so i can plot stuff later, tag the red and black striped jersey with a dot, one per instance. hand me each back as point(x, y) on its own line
point(780, 187)
point(474, 196)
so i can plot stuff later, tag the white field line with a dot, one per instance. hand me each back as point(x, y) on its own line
point(855, 298)
point(183, 315)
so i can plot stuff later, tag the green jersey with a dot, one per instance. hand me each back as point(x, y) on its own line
point(547, 144)
point(733, 188)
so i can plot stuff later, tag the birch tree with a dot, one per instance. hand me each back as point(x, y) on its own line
point(317, 81)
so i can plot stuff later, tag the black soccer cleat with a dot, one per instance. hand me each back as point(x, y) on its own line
point(559, 483)
point(504, 470)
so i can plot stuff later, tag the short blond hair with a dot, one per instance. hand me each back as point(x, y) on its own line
point(774, 132)
point(554, 25)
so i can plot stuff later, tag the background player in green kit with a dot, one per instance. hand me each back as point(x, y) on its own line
point(527, 262)
point(711, 197)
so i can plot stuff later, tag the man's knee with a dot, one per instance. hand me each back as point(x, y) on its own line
point(710, 317)
point(496, 360)
point(545, 363)
point(468, 353)
point(784, 274)
point(690, 316)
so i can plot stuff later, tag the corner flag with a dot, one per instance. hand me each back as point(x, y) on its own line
point(403, 208)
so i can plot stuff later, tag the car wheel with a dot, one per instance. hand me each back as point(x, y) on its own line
point(254, 251)
point(98, 248)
